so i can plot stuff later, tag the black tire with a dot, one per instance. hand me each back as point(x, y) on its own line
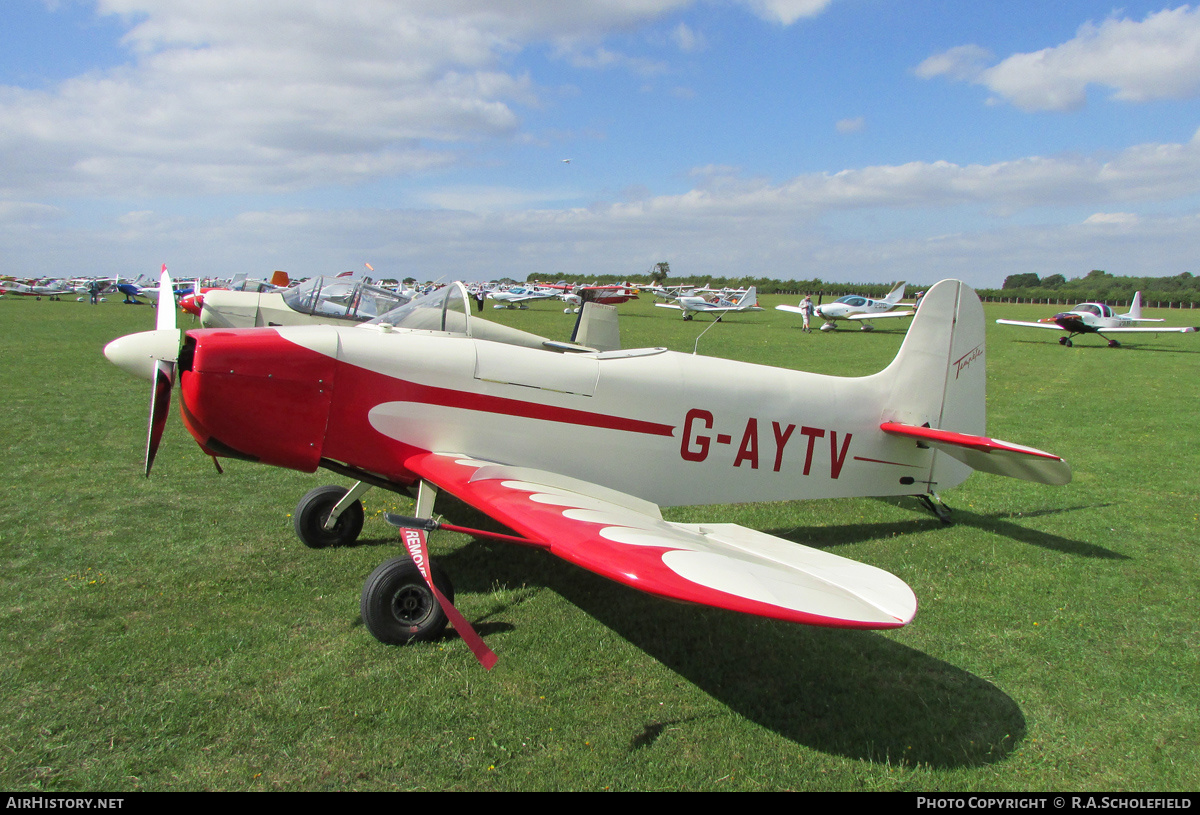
point(397, 605)
point(314, 508)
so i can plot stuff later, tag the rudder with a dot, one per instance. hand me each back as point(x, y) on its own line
point(938, 378)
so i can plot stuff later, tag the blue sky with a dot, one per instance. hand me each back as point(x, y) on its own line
point(851, 140)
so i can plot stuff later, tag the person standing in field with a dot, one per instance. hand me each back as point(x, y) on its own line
point(806, 311)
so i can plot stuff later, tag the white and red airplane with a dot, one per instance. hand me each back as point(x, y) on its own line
point(691, 305)
point(576, 450)
point(576, 296)
point(1097, 318)
point(858, 308)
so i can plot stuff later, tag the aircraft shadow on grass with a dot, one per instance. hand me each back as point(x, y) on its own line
point(997, 523)
point(852, 693)
point(1138, 345)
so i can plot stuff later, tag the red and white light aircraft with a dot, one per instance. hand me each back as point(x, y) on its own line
point(576, 296)
point(543, 437)
point(1097, 318)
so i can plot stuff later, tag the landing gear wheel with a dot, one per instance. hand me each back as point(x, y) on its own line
point(1062, 340)
point(1114, 344)
point(314, 508)
point(397, 605)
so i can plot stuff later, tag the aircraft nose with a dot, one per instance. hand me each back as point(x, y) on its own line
point(138, 353)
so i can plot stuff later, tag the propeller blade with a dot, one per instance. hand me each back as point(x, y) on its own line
point(160, 406)
point(167, 337)
point(166, 301)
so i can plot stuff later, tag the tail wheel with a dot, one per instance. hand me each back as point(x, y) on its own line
point(398, 606)
point(314, 509)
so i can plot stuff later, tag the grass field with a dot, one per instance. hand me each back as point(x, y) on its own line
point(172, 633)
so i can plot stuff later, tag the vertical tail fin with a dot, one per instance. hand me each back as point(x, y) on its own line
point(896, 294)
point(1135, 308)
point(938, 379)
point(750, 298)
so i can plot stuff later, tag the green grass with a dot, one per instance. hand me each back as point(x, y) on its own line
point(172, 634)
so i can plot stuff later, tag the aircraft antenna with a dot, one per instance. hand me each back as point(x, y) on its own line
point(696, 347)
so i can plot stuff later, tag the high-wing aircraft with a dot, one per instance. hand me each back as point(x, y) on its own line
point(575, 296)
point(543, 437)
point(1097, 318)
point(855, 307)
point(695, 304)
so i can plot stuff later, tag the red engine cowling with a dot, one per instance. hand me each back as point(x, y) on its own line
point(254, 395)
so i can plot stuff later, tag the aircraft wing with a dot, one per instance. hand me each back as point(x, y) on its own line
point(675, 306)
point(625, 539)
point(793, 309)
point(1147, 330)
point(1051, 326)
point(728, 309)
point(880, 315)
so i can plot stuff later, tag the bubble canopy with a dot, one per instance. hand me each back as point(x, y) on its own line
point(448, 310)
point(445, 309)
point(345, 299)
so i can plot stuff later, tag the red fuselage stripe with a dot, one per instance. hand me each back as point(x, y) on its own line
point(405, 391)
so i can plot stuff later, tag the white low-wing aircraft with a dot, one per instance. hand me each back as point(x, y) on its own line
point(521, 296)
point(855, 307)
point(1097, 318)
point(691, 305)
point(50, 289)
point(576, 451)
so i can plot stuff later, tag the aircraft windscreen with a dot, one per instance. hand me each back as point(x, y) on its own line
point(853, 301)
point(445, 309)
point(345, 299)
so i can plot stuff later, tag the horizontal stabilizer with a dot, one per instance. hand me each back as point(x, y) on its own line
point(989, 455)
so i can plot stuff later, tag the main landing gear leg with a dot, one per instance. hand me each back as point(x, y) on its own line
point(939, 509)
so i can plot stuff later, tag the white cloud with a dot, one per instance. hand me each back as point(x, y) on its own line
point(964, 63)
point(687, 39)
point(725, 223)
point(786, 12)
point(224, 96)
point(1157, 58)
point(1113, 219)
point(845, 126)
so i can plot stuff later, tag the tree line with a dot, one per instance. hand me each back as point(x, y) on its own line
point(1096, 286)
